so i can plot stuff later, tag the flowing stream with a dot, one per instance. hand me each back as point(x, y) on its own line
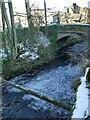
point(55, 81)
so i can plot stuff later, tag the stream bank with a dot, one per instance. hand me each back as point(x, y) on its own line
point(82, 104)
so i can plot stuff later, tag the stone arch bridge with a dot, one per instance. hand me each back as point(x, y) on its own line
point(75, 32)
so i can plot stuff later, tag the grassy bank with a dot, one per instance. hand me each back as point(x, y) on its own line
point(12, 68)
point(19, 66)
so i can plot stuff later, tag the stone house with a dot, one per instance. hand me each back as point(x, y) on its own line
point(88, 16)
point(73, 14)
point(73, 9)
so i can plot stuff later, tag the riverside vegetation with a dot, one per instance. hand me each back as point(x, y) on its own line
point(25, 65)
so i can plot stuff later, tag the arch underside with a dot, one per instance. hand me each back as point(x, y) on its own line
point(66, 40)
point(62, 37)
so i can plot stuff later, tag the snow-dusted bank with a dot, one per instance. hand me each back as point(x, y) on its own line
point(2, 54)
point(81, 109)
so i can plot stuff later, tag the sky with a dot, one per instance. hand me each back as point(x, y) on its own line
point(60, 4)
point(19, 5)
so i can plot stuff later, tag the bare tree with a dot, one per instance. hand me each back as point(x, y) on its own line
point(38, 19)
point(46, 30)
point(5, 18)
point(32, 30)
point(28, 10)
point(4, 40)
point(13, 27)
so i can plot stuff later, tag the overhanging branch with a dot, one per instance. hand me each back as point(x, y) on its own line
point(45, 98)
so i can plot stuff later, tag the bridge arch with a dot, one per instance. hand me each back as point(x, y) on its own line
point(68, 39)
point(65, 35)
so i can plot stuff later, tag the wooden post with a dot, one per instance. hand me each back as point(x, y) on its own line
point(13, 27)
point(60, 104)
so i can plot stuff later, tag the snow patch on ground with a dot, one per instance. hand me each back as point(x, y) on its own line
point(31, 55)
point(42, 39)
point(81, 109)
point(2, 54)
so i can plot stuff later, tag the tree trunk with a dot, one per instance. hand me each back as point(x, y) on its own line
point(13, 27)
point(4, 40)
point(8, 26)
point(60, 104)
point(28, 10)
point(46, 29)
point(31, 30)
